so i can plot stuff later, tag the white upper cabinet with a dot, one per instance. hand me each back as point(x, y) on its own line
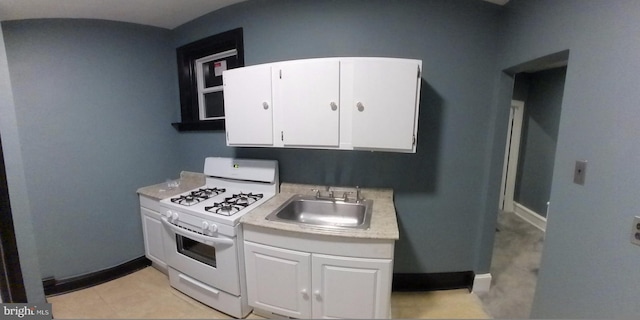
point(328, 103)
point(307, 94)
point(384, 104)
point(248, 106)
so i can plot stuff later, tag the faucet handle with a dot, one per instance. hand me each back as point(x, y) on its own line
point(358, 194)
point(329, 191)
point(317, 191)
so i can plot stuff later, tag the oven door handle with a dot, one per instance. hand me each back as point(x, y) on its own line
point(196, 236)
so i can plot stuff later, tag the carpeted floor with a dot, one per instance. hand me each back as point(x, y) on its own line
point(514, 268)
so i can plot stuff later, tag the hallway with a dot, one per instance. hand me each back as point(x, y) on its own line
point(514, 267)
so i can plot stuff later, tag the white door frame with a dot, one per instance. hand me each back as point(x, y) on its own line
point(511, 153)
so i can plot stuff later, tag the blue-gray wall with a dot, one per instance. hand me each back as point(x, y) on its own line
point(589, 268)
point(439, 191)
point(539, 137)
point(446, 194)
point(93, 103)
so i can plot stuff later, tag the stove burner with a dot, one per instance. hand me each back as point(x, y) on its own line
point(197, 196)
point(207, 192)
point(244, 198)
point(233, 204)
point(224, 208)
point(187, 200)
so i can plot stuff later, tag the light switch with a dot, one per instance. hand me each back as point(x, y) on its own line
point(635, 231)
point(580, 172)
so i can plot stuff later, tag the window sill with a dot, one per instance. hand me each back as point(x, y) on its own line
point(199, 125)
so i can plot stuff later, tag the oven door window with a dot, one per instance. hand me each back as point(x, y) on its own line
point(196, 250)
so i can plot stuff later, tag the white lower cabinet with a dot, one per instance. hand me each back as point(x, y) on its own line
point(278, 280)
point(152, 232)
point(353, 288)
point(302, 284)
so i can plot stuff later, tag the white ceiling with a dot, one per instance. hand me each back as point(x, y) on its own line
point(160, 13)
point(500, 2)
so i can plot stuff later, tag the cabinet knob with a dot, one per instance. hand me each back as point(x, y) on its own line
point(317, 294)
point(334, 106)
point(304, 293)
point(265, 105)
point(360, 106)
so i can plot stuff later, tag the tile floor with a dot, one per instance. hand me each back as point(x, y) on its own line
point(146, 294)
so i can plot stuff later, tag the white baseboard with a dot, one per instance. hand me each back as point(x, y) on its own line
point(481, 283)
point(530, 216)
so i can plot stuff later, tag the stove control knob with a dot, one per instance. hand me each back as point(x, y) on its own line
point(168, 214)
point(174, 217)
point(205, 227)
point(208, 227)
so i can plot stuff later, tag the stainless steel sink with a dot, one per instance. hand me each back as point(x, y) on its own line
point(330, 213)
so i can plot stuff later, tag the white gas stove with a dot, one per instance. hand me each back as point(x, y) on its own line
point(203, 240)
point(233, 187)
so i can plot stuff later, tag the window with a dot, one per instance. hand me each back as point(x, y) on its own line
point(200, 66)
point(209, 83)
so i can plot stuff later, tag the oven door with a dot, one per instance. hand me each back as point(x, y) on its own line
point(212, 260)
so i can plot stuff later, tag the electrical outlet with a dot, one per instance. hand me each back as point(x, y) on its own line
point(635, 231)
point(580, 172)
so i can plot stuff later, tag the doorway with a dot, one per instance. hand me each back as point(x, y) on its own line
point(537, 91)
point(531, 144)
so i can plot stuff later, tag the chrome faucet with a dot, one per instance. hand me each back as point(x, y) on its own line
point(330, 193)
point(345, 194)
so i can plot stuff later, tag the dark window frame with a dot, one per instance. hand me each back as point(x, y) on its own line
point(187, 56)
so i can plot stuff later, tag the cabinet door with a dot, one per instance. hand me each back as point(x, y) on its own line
point(385, 106)
point(152, 233)
point(353, 288)
point(248, 105)
point(309, 98)
point(278, 280)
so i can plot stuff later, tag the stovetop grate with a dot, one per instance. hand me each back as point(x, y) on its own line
point(197, 196)
point(234, 204)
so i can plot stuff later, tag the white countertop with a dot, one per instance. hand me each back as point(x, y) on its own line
point(384, 224)
point(188, 180)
